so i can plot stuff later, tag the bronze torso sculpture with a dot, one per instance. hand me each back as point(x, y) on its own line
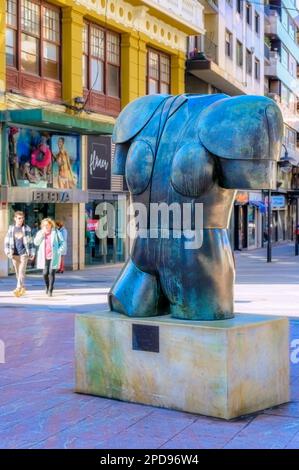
point(190, 150)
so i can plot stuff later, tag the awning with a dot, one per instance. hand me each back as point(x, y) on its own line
point(62, 122)
point(259, 205)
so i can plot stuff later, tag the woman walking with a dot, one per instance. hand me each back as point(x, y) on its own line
point(50, 245)
point(63, 231)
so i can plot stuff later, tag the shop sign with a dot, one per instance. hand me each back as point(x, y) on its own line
point(92, 225)
point(255, 196)
point(241, 198)
point(99, 162)
point(278, 202)
point(51, 196)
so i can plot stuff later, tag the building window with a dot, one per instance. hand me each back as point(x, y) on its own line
point(158, 72)
point(285, 95)
point(288, 98)
point(33, 38)
point(284, 18)
point(101, 60)
point(239, 6)
point(11, 33)
point(228, 43)
point(239, 54)
point(51, 43)
point(292, 29)
point(257, 69)
point(229, 2)
point(257, 23)
point(290, 137)
point(248, 62)
point(248, 13)
point(292, 66)
point(284, 57)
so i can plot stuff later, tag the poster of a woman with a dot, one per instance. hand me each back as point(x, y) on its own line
point(65, 155)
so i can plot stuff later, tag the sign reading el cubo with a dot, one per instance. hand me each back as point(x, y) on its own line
point(99, 162)
point(51, 196)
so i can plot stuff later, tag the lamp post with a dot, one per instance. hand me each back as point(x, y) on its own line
point(285, 164)
point(296, 230)
point(295, 186)
point(269, 219)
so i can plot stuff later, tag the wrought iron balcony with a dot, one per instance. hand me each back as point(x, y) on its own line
point(267, 52)
point(206, 50)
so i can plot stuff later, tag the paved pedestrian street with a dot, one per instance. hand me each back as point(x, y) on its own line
point(38, 406)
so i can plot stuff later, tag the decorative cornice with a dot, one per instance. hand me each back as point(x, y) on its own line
point(137, 18)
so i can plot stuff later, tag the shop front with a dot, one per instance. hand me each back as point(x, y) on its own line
point(105, 213)
point(249, 212)
point(64, 206)
point(240, 220)
point(256, 220)
point(42, 176)
point(279, 218)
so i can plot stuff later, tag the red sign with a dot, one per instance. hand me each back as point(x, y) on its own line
point(241, 198)
point(92, 225)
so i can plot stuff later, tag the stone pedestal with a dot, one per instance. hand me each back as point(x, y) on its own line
point(223, 368)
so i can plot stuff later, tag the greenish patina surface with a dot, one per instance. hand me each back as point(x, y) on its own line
point(223, 368)
point(196, 150)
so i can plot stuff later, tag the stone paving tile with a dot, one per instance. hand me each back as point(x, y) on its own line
point(38, 408)
point(88, 434)
point(19, 410)
point(288, 409)
point(266, 432)
point(295, 390)
point(45, 423)
point(151, 432)
point(33, 367)
point(19, 389)
point(294, 443)
point(206, 433)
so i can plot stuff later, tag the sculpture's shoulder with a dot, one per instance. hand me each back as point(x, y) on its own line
point(135, 116)
point(242, 128)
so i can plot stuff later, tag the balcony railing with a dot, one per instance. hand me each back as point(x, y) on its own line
point(206, 50)
point(189, 10)
point(267, 51)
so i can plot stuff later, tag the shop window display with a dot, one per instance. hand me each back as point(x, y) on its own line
point(41, 159)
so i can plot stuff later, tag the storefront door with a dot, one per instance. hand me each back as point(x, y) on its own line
point(252, 227)
point(240, 227)
point(109, 249)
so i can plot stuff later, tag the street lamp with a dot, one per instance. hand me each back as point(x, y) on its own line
point(296, 167)
point(285, 164)
point(296, 230)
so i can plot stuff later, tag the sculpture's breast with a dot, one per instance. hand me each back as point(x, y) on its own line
point(139, 166)
point(192, 170)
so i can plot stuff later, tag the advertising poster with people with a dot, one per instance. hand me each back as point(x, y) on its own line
point(41, 159)
point(66, 168)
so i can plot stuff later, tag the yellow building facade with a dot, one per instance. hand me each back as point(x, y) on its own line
point(58, 110)
point(140, 26)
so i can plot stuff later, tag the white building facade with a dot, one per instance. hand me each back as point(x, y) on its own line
point(281, 84)
point(229, 57)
